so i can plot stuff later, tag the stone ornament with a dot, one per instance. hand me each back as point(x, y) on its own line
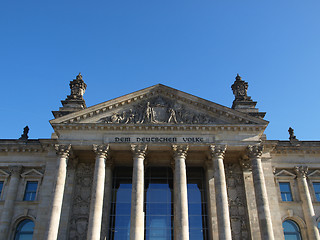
point(180, 150)
point(62, 150)
point(158, 110)
point(101, 150)
point(246, 164)
point(218, 150)
point(301, 171)
point(24, 135)
point(78, 88)
point(139, 150)
point(254, 151)
point(240, 89)
point(15, 170)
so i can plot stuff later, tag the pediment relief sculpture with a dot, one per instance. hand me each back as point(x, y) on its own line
point(158, 110)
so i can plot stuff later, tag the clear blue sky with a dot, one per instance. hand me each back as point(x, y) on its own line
point(121, 46)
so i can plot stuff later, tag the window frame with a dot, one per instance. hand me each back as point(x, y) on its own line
point(30, 175)
point(295, 224)
point(290, 188)
point(15, 231)
point(4, 176)
point(284, 175)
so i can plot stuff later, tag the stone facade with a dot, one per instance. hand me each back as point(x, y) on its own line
point(73, 171)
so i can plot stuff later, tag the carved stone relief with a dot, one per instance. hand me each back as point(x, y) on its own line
point(237, 202)
point(81, 202)
point(158, 110)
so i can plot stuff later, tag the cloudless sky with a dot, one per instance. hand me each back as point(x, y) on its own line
point(121, 46)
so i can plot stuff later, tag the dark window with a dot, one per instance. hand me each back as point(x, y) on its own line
point(291, 230)
point(1, 187)
point(31, 191)
point(121, 204)
point(159, 203)
point(316, 187)
point(197, 204)
point(24, 230)
point(285, 191)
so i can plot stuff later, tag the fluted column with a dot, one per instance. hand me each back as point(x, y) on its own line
point(137, 195)
point(58, 189)
point(308, 210)
point(8, 207)
point(96, 204)
point(220, 184)
point(181, 219)
point(265, 221)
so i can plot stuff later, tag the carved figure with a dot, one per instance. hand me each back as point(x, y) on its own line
point(130, 118)
point(291, 133)
point(149, 114)
point(24, 135)
point(116, 118)
point(172, 116)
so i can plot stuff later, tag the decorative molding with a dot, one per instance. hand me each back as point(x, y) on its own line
point(32, 173)
point(284, 174)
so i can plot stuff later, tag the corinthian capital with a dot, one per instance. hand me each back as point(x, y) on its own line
point(101, 150)
point(301, 171)
point(254, 151)
point(180, 150)
point(62, 150)
point(139, 150)
point(218, 150)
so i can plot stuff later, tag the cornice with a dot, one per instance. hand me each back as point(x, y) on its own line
point(157, 127)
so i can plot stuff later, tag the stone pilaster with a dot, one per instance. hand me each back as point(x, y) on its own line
point(58, 189)
point(9, 202)
point(265, 221)
point(96, 204)
point(220, 184)
point(181, 221)
point(137, 195)
point(308, 210)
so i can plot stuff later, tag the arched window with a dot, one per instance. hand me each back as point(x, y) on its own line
point(291, 230)
point(24, 230)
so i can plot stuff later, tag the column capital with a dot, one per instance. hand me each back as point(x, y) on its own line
point(254, 151)
point(62, 150)
point(180, 150)
point(301, 171)
point(101, 150)
point(15, 170)
point(218, 150)
point(139, 150)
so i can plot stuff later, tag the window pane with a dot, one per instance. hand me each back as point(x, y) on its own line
point(31, 191)
point(1, 186)
point(291, 230)
point(285, 191)
point(24, 230)
point(316, 187)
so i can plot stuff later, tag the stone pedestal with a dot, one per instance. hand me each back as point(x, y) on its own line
point(181, 221)
point(265, 221)
point(96, 205)
point(137, 195)
point(221, 192)
point(56, 204)
point(8, 207)
point(307, 206)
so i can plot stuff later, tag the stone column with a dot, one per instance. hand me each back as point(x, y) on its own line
point(181, 218)
point(265, 222)
point(308, 210)
point(220, 184)
point(58, 189)
point(96, 204)
point(137, 195)
point(9, 202)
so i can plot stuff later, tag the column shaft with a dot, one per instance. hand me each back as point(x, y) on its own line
point(9, 202)
point(307, 206)
point(137, 195)
point(220, 184)
point(181, 217)
point(96, 205)
point(56, 204)
point(265, 221)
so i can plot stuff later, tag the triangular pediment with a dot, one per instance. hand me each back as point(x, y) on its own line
point(159, 104)
point(32, 173)
point(284, 174)
point(314, 174)
point(4, 174)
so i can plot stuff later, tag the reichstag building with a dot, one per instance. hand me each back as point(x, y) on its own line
point(159, 164)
